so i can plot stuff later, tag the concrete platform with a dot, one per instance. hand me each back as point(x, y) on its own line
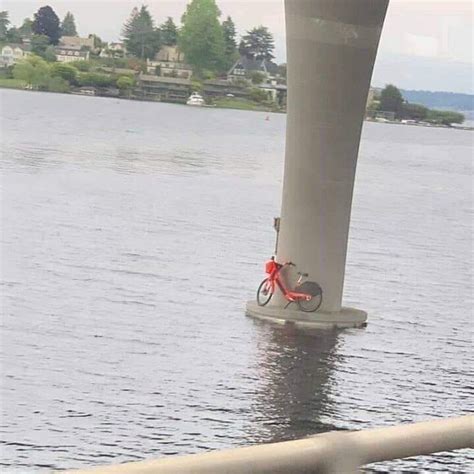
point(346, 318)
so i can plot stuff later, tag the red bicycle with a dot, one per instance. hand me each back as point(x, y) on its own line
point(308, 295)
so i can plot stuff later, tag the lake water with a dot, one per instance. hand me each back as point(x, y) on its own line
point(132, 236)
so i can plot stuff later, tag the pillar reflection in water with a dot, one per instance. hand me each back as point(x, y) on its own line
point(294, 394)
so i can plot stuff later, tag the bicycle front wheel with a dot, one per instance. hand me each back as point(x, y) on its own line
point(264, 292)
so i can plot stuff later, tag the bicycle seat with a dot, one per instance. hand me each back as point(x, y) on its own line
point(303, 274)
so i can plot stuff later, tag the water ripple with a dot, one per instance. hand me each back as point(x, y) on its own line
point(127, 259)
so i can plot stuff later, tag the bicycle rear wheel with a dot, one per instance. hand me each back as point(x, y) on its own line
point(264, 292)
point(310, 306)
point(316, 292)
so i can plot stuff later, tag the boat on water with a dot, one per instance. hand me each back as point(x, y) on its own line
point(195, 99)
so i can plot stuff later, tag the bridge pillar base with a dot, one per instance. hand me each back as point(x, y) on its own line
point(346, 318)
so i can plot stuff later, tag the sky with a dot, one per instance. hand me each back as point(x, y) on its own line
point(425, 44)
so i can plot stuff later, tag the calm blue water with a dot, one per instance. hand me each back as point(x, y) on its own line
point(132, 236)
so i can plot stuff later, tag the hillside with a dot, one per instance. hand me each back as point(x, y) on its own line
point(440, 100)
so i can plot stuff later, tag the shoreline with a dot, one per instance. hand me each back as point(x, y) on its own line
point(239, 105)
point(420, 124)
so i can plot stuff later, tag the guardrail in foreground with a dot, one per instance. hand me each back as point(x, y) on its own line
point(335, 452)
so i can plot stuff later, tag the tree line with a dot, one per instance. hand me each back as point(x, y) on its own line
point(45, 23)
point(36, 73)
point(391, 100)
point(43, 32)
point(208, 44)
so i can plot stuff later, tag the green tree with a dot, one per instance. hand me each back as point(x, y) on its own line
point(201, 38)
point(230, 51)
point(141, 38)
point(49, 54)
point(257, 77)
point(169, 32)
point(98, 43)
point(115, 62)
point(68, 25)
point(136, 64)
point(372, 109)
point(4, 23)
point(83, 66)
point(258, 43)
point(207, 75)
point(65, 71)
point(95, 80)
point(125, 84)
point(39, 43)
point(414, 111)
point(444, 117)
point(56, 84)
point(391, 100)
point(13, 35)
point(46, 22)
point(282, 70)
point(26, 29)
point(33, 70)
point(197, 85)
point(258, 95)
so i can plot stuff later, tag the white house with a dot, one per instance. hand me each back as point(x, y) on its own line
point(12, 53)
point(117, 47)
point(113, 50)
point(69, 55)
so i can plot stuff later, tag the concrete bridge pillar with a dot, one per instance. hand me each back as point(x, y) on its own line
point(331, 50)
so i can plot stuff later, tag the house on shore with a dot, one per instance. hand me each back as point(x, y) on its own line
point(113, 50)
point(159, 88)
point(66, 54)
point(169, 62)
point(276, 92)
point(12, 53)
point(244, 67)
point(243, 70)
point(216, 88)
point(76, 42)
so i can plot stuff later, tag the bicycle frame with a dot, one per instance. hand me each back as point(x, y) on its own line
point(290, 295)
